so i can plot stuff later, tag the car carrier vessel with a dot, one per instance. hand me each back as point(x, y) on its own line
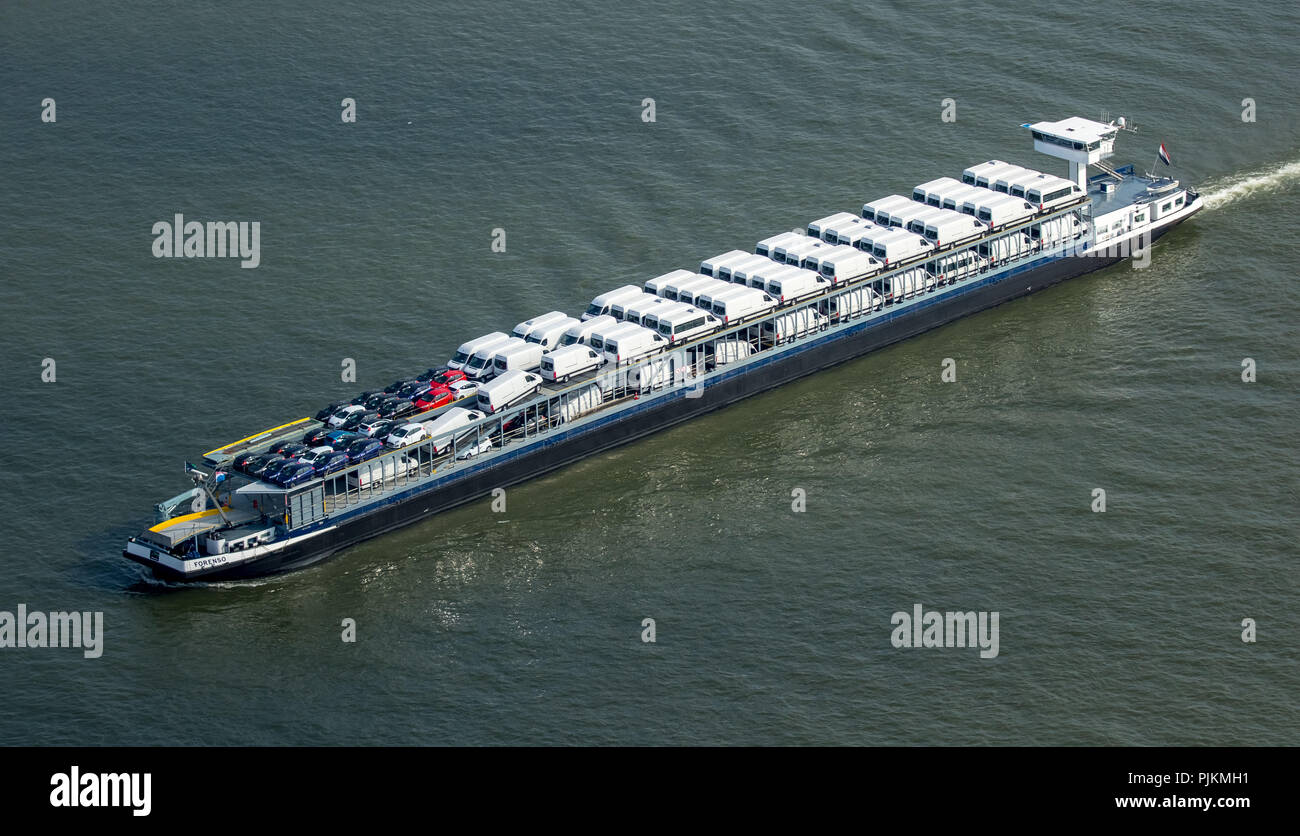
point(681, 346)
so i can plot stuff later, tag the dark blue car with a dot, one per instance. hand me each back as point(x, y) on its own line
point(330, 410)
point(331, 462)
point(274, 470)
point(339, 439)
point(365, 448)
point(259, 465)
point(316, 437)
point(295, 474)
point(365, 396)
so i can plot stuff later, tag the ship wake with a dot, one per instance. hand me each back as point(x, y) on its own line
point(1233, 188)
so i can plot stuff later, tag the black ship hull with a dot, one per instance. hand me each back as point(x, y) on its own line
point(665, 413)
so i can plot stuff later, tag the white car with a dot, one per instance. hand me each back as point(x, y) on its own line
point(463, 388)
point(407, 434)
point(470, 449)
point(339, 418)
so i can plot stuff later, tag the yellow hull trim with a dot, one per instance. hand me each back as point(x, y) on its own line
point(255, 436)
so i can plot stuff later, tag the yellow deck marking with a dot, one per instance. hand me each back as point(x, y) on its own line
point(186, 518)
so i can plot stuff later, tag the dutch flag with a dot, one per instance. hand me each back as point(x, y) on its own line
point(1164, 155)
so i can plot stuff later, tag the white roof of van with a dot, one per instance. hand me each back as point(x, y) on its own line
point(671, 277)
point(838, 217)
point(781, 237)
point(886, 203)
point(624, 330)
point(997, 199)
point(940, 183)
point(678, 310)
point(726, 258)
point(896, 235)
point(568, 349)
point(1048, 182)
point(1024, 175)
point(513, 347)
point(788, 271)
point(980, 168)
point(618, 292)
point(804, 247)
point(594, 322)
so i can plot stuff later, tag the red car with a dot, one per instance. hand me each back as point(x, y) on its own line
point(448, 376)
point(434, 398)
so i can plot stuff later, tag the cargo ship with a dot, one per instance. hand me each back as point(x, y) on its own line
point(507, 408)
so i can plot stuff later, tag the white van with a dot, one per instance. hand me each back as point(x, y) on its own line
point(579, 333)
point(522, 329)
point(445, 426)
point(602, 303)
point(742, 304)
point(767, 246)
point(704, 285)
point(619, 309)
point(790, 284)
point(710, 266)
point(956, 266)
point(596, 339)
point(657, 284)
point(898, 246)
point(579, 403)
point(952, 228)
point(479, 366)
point(998, 210)
point(818, 228)
point(506, 390)
point(466, 350)
point(1015, 183)
point(754, 273)
point(638, 310)
point(909, 283)
point(970, 175)
point(964, 201)
point(548, 336)
point(851, 304)
point(1050, 192)
point(841, 264)
point(794, 252)
point(522, 356)
point(792, 325)
point(407, 434)
point(902, 216)
point(564, 362)
point(932, 193)
point(683, 322)
point(884, 205)
point(380, 471)
point(730, 351)
point(727, 272)
point(629, 343)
